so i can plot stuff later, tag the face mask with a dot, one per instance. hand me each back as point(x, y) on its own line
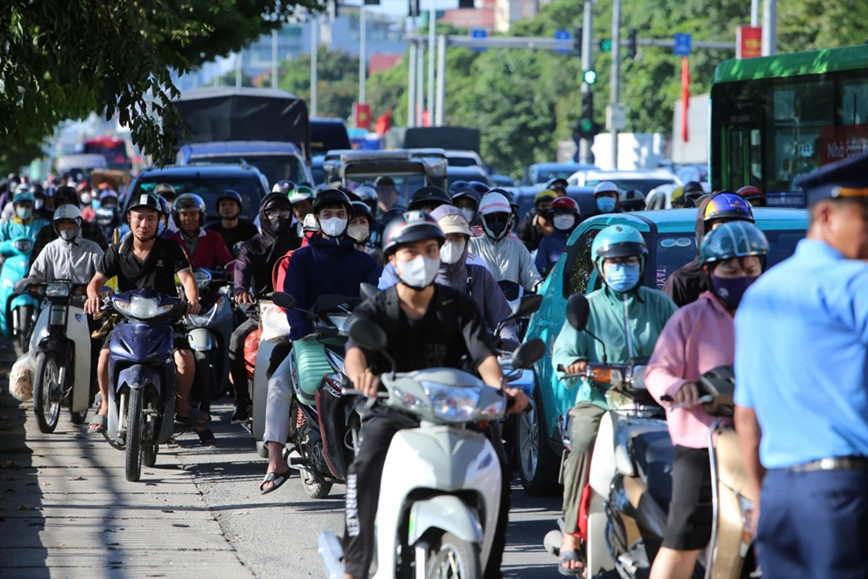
point(23, 212)
point(161, 227)
point(731, 290)
point(605, 204)
point(418, 273)
point(39, 203)
point(622, 277)
point(277, 224)
point(452, 251)
point(468, 214)
point(86, 198)
point(564, 222)
point(496, 229)
point(67, 235)
point(359, 233)
point(333, 226)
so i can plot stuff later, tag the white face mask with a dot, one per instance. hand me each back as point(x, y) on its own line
point(333, 226)
point(23, 212)
point(563, 222)
point(468, 214)
point(67, 235)
point(452, 251)
point(86, 198)
point(419, 272)
point(359, 233)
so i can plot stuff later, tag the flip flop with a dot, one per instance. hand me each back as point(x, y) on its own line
point(97, 424)
point(569, 557)
point(272, 477)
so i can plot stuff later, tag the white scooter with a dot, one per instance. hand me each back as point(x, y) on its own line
point(440, 489)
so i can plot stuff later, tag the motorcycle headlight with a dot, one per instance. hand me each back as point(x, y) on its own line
point(340, 321)
point(202, 279)
point(142, 308)
point(452, 404)
point(23, 245)
point(494, 409)
point(56, 290)
point(410, 401)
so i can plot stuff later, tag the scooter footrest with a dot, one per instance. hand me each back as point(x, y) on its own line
point(299, 460)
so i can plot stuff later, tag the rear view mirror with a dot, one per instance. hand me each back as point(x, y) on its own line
point(283, 300)
point(368, 290)
point(528, 305)
point(368, 335)
point(578, 311)
point(528, 353)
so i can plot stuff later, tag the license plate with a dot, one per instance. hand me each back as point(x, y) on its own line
point(57, 316)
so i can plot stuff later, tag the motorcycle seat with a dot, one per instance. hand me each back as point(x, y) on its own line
point(655, 454)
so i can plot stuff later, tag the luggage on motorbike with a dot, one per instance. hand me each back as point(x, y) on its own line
point(21, 380)
point(251, 350)
point(311, 365)
point(275, 324)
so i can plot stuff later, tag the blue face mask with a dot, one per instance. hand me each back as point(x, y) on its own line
point(606, 204)
point(621, 277)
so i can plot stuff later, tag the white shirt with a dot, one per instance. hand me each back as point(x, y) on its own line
point(75, 260)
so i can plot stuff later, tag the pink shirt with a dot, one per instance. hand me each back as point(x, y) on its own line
point(698, 337)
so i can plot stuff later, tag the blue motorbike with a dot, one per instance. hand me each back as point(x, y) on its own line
point(19, 311)
point(142, 376)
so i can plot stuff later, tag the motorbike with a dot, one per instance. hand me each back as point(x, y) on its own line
point(324, 425)
point(60, 355)
point(257, 356)
point(19, 311)
point(440, 489)
point(142, 376)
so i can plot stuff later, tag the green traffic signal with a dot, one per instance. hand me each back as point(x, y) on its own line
point(587, 125)
point(606, 45)
point(590, 76)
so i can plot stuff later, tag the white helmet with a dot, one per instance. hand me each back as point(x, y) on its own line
point(606, 187)
point(67, 211)
point(310, 223)
point(494, 203)
point(491, 209)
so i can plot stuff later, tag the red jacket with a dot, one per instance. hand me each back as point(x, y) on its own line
point(210, 251)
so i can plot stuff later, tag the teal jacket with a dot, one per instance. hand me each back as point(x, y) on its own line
point(15, 228)
point(644, 310)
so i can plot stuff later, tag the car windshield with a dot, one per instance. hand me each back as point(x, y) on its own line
point(545, 176)
point(643, 185)
point(274, 167)
point(676, 249)
point(405, 184)
point(209, 188)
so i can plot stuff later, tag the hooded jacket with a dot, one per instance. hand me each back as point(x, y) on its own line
point(507, 259)
point(258, 255)
point(15, 228)
point(688, 281)
point(75, 260)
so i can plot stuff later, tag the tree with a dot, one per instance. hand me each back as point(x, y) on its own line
point(337, 81)
point(62, 59)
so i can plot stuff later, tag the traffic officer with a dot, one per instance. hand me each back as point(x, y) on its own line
point(801, 364)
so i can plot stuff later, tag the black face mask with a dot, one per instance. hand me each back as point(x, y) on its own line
point(278, 224)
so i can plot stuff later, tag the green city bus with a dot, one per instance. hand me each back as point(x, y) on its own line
point(776, 118)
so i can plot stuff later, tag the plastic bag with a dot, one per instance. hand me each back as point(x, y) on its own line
point(21, 380)
point(275, 325)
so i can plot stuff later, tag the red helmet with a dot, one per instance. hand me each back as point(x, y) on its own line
point(564, 205)
point(752, 194)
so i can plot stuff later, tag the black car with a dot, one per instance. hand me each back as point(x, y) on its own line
point(208, 182)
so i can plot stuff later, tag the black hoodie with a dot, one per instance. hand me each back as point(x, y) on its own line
point(258, 256)
point(688, 281)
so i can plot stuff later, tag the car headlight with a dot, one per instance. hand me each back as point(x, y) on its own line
point(340, 321)
point(141, 308)
point(452, 404)
point(56, 290)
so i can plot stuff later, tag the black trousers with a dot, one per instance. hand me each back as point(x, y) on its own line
point(363, 491)
point(236, 360)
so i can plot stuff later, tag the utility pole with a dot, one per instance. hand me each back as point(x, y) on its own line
point(615, 84)
point(432, 55)
point(411, 86)
point(362, 53)
point(770, 27)
point(420, 85)
point(754, 12)
point(274, 59)
point(314, 47)
point(585, 155)
point(441, 80)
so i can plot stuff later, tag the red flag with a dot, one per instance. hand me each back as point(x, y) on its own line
point(685, 96)
point(384, 123)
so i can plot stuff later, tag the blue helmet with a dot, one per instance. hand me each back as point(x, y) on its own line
point(23, 196)
point(733, 239)
point(618, 241)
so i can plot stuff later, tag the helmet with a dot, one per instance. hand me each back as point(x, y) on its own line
point(606, 187)
point(188, 201)
point(21, 187)
point(23, 196)
point(310, 223)
point(108, 194)
point(275, 200)
point(233, 195)
point(752, 194)
point(733, 239)
point(284, 186)
point(632, 200)
point(557, 183)
point(332, 197)
point(565, 205)
point(451, 220)
point(618, 241)
point(465, 192)
point(429, 195)
point(494, 202)
point(66, 194)
point(67, 212)
point(545, 194)
point(409, 227)
point(361, 209)
point(383, 181)
point(166, 190)
point(165, 208)
point(366, 193)
point(692, 192)
point(727, 205)
point(301, 193)
point(149, 200)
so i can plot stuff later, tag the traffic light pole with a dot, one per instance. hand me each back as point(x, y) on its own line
point(615, 91)
point(585, 155)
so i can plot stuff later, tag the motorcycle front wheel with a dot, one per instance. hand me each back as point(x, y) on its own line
point(135, 423)
point(455, 559)
point(48, 392)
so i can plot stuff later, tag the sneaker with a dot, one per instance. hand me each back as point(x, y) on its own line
point(241, 412)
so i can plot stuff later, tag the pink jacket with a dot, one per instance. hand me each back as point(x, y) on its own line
point(698, 337)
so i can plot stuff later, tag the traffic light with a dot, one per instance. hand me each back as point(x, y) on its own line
point(589, 76)
point(606, 45)
point(588, 107)
point(631, 43)
point(413, 8)
point(586, 128)
point(577, 40)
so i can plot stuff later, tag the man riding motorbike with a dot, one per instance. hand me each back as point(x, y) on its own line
point(204, 248)
point(565, 217)
point(66, 195)
point(233, 228)
point(24, 223)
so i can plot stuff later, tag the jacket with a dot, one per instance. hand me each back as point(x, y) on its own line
point(507, 259)
point(688, 281)
point(550, 249)
point(325, 267)
point(15, 228)
point(210, 251)
point(47, 234)
point(645, 311)
point(698, 338)
point(74, 260)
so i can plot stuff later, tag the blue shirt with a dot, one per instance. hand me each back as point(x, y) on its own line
point(801, 356)
point(550, 249)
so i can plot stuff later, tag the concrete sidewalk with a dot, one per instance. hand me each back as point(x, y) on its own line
point(66, 509)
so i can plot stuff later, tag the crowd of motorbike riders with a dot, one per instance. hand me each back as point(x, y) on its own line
point(443, 249)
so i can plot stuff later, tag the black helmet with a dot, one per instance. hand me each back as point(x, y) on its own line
point(332, 197)
point(409, 227)
point(466, 192)
point(557, 183)
point(66, 195)
point(233, 195)
point(361, 209)
point(150, 200)
point(188, 201)
point(429, 195)
point(275, 201)
point(166, 190)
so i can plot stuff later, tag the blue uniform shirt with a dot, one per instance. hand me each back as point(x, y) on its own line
point(801, 360)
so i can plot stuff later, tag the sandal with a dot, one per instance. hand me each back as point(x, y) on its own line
point(97, 424)
point(272, 477)
point(571, 556)
point(206, 437)
point(195, 418)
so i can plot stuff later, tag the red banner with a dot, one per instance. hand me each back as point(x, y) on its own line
point(362, 115)
point(843, 141)
point(748, 41)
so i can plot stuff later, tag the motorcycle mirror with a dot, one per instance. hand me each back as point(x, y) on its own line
point(283, 300)
point(528, 305)
point(578, 311)
point(236, 249)
point(510, 289)
point(368, 335)
point(368, 290)
point(528, 353)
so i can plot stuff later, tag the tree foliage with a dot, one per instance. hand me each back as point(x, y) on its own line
point(62, 59)
point(337, 81)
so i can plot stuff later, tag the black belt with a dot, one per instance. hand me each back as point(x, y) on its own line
point(859, 463)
